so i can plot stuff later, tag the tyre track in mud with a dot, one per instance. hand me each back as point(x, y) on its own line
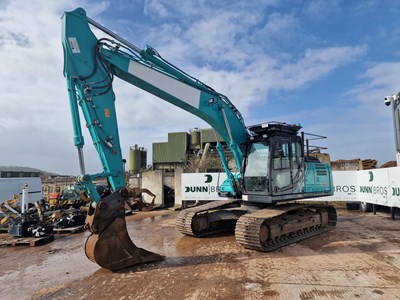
point(354, 261)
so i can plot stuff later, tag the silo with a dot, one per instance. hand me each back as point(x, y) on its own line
point(134, 159)
point(194, 138)
point(143, 158)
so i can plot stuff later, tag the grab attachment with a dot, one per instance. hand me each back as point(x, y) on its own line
point(109, 245)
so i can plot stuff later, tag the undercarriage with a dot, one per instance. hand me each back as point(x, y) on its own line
point(262, 229)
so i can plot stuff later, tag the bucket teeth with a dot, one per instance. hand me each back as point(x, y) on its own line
point(109, 245)
point(114, 250)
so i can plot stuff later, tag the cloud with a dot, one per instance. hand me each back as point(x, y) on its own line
point(322, 9)
point(187, 12)
point(279, 23)
point(156, 9)
point(315, 64)
point(380, 79)
point(382, 74)
point(243, 49)
point(363, 127)
point(31, 84)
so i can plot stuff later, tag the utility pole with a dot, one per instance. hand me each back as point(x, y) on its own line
point(394, 100)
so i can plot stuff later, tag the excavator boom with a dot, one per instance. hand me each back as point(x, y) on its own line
point(90, 65)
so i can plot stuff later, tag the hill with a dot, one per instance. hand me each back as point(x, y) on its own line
point(25, 169)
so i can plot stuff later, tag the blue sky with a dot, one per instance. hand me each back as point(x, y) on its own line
point(325, 64)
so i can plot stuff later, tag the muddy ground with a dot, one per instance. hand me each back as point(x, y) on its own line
point(360, 259)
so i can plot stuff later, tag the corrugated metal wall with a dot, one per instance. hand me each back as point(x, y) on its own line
point(208, 136)
point(174, 150)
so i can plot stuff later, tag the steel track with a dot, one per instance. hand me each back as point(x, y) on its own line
point(248, 226)
point(185, 218)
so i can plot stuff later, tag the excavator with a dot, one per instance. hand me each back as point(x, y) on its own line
point(272, 169)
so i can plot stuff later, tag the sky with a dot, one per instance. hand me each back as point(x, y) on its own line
point(326, 64)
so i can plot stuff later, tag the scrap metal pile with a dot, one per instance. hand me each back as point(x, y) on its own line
point(71, 217)
point(39, 219)
point(20, 221)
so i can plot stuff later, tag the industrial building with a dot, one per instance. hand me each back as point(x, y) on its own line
point(191, 151)
point(183, 152)
point(13, 172)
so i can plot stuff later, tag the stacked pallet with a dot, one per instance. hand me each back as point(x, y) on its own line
point(389, 164)
point(28, 241)
point(358, 164)
point(347, 165)
point(369, 164)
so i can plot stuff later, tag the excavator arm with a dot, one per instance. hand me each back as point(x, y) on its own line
point(90, 65)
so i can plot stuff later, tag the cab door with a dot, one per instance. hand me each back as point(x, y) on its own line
point(280, 166)
point(286, 165)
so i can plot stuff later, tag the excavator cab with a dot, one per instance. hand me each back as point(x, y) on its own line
point(275, 167)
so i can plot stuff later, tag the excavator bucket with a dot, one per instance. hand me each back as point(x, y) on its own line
point(109, 245)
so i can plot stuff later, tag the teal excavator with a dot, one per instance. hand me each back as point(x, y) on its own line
point(272, 168)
